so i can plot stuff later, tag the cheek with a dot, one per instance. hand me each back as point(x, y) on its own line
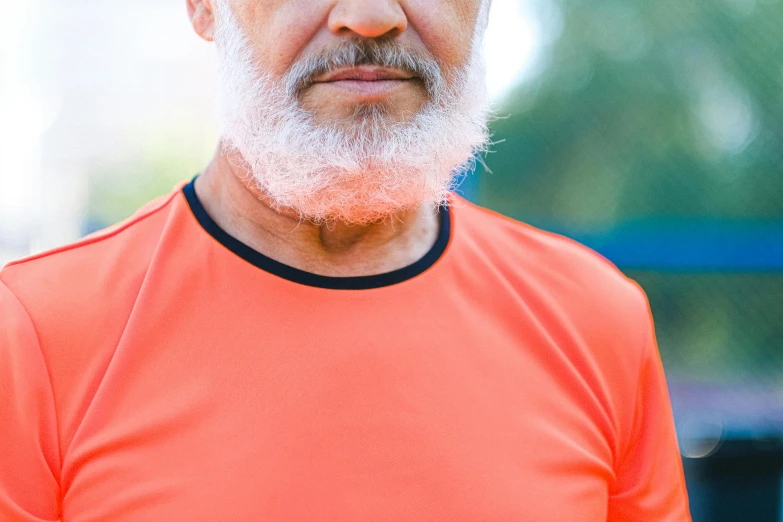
point(279, 30)
point(445, 27)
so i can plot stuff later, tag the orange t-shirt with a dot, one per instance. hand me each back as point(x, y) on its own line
point(160, 370)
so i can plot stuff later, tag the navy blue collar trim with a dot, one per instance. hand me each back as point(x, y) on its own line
point(306, 278)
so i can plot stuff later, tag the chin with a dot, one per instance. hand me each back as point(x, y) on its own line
point(357, 198)
point(382, 111)
point(362, 117)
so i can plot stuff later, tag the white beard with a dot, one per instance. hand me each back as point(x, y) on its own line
point(359, 174)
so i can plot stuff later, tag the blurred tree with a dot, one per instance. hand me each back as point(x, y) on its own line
point(647, 109)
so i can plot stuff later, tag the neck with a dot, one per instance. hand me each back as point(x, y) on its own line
point(334, 249)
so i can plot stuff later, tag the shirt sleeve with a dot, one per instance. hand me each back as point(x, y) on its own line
point(29, 454)
point(650, 485)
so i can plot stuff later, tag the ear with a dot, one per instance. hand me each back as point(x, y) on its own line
point(202, 17)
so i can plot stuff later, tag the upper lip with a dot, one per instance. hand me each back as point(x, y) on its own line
point(364, 73)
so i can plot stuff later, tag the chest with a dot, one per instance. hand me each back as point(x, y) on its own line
point(376, 423)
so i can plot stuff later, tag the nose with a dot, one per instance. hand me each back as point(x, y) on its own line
point(368, 18)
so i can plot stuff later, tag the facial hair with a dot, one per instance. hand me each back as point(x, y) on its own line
point(364, 170)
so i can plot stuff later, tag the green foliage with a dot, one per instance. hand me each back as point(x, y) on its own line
point(647, 109)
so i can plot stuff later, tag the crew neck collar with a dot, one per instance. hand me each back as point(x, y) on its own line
point(315, 280)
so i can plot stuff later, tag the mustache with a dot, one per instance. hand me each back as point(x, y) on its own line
point(382, 52)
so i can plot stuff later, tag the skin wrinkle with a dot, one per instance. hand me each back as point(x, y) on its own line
point(336, 181)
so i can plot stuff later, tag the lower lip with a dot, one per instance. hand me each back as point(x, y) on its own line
point(367, 88)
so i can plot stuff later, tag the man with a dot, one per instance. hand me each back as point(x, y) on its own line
point(315, 328)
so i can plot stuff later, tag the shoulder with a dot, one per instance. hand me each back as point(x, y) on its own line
point(75, 268)
point(520, 250)
point(570, 286)
point(80, 294)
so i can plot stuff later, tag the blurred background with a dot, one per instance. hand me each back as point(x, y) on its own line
point(650, 131)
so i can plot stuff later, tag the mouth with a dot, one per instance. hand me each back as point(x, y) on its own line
point(367, 82)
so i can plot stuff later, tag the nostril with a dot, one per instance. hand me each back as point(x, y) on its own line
point(349, 32)
point(367, 21)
